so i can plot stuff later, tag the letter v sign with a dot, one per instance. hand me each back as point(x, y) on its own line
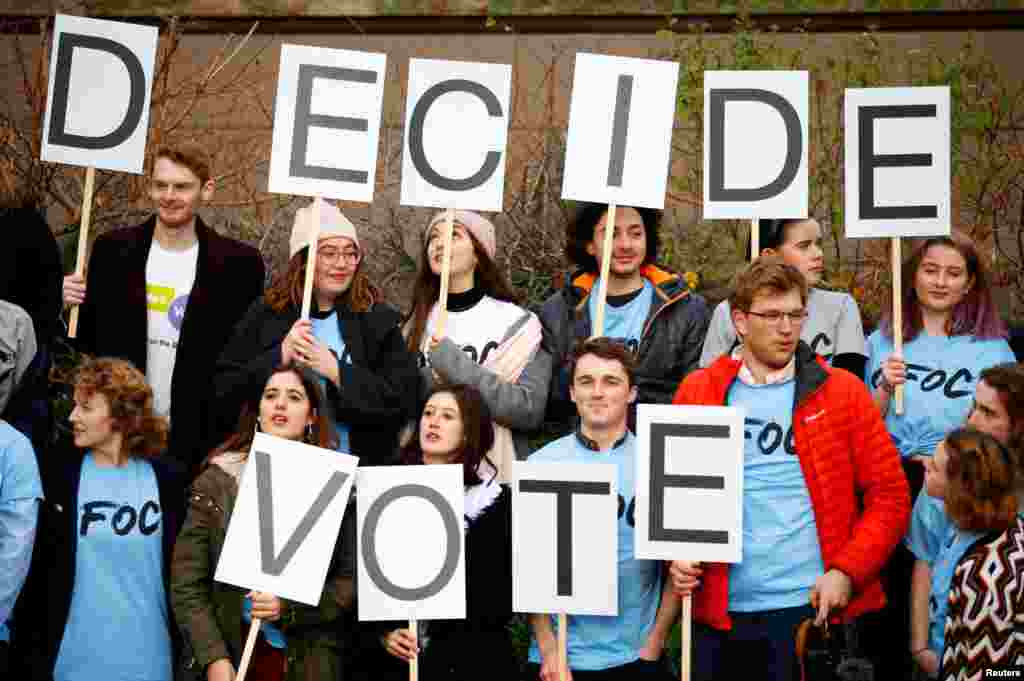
point(273, 564)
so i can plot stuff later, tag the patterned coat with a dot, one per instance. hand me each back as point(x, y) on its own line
point(985, 620)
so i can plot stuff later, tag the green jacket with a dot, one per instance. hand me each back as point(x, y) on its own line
point(209, 613)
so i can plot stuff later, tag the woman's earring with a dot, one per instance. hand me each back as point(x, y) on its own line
point(309, 432)
point(259, 426)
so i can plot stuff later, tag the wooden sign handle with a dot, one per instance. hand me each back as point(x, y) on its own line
point(755, 239)
point(414, 663)
point(250, 643)
point(897, 314)
point(311, 260)
point(606, 262)
point(563, 647)
point(686, 629)
point(83, 241)
point(446, 272)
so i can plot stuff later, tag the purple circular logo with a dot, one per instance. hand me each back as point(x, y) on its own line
point(176, 313)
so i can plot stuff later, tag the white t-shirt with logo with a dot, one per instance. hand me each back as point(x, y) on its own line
point(478, 330)
point(169, 279)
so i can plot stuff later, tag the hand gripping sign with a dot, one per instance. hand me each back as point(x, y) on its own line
point(755, 146)
point(97, 105)
point(619, 140)
point(897, 174)
point(565, 542)
point(285, 523)
point(689, 488)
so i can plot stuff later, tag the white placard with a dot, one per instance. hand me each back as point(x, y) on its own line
point(620, 130)
point(411, 543)
point(97, 106)
point(755, 144)
point(327, 122)
point(456, 132)
point(286, 520)
point(897, 159)
point(689, 483)
point(565, 537)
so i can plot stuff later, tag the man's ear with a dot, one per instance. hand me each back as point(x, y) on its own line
point(740, 321)
point(206, 192)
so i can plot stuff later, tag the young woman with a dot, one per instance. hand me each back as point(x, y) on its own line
point(982, 497)
point(456, 427)
point(295, 641)
point(97, 604)
point(352, 342)
point(951, 332)
point(833, 327)
point(489, 342)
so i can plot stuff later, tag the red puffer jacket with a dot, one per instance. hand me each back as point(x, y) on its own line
point(852, 469)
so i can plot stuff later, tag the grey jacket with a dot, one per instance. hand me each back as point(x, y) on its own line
point(518, 406)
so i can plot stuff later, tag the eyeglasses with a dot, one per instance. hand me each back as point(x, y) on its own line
point(774, 317)
point(330, 256)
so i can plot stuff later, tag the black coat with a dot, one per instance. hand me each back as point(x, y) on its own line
point(42, 611)
point(113, 321)
point(31, 272)
point(379, 388)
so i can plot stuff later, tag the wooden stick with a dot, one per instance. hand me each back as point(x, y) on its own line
point(606, 263)
point(897, 313)
point(83, 241)
point(755, 239)
point(414, 663)
point(311, 261)
point(446, 272)
point(563, 647)
point(685, 644)
point(250, 643)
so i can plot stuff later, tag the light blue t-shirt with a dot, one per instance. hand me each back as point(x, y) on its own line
point(117, 628)
point(601, 642)
point(626, 322)
point(934, 539)
point(781, 554)
point(328, 332)
point(20, 493)
point(942, 372)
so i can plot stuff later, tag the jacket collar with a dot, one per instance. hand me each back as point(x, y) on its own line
point(810, 372)
point(592, 444)
point(668, 287)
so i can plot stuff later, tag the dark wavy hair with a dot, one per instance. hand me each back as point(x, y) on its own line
point(975, 315)
point(427, 289)
point(323, 429)
point(982, 481)
point(581, 228)
point(477, 433)
point(1007, 380)
point(144, 434)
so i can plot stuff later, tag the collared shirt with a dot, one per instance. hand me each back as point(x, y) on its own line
point(786, 373)
point(20, 493)
point(593, 446)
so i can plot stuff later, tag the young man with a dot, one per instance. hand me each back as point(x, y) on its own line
point(648, 308)
point(166, 294)
point(825, 500)
point(629, 645)
point(936, 543)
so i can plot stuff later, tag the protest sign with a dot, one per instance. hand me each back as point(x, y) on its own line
point(755, 146)
point(327, 122)
point(619, 141)
point(689, 489)
point(897, 163)
point(410, 539)
point(97, 105)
